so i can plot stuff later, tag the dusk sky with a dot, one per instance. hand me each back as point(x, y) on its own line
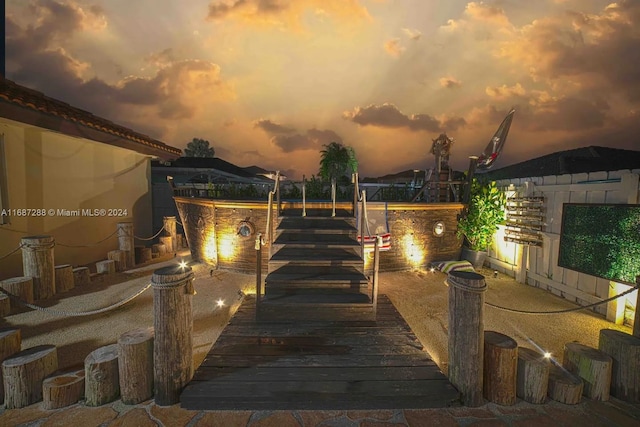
point(268, 82)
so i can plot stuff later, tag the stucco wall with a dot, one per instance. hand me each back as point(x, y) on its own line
point(51, 171)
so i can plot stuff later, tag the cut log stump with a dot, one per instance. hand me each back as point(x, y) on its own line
point(21, 287)
point(107, 266)
point(102, 384)
point(81, 276)
point(64, 278)
point(120, 258)
point(624, 350)
point(159, 248)
point(63, 389)
point(24, 372)
point(564, 387)
point(5, 305)
point(167, 241)
point(37, 262)
point(135, 362)
point(145, 255)
point(533, 376)
point(592, 365)
point(500, 368)
point(10, 344)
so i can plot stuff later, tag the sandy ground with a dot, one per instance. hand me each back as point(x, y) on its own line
point(420, 296)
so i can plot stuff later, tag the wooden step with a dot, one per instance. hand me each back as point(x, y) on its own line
point(322, 213)
point(325, 307)
point(294, 275)
point(316, 223)
point(295, 238)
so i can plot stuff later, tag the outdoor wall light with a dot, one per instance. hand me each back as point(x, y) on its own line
point(438, 229)
point(245, 229)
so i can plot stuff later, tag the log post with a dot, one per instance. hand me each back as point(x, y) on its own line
point(24, 372)
point(533, 376)
point(120, 258)
point(5, 305)
point(63, 389)
point(21, 287)
point(145, 255)
point(107, 266)
point(101, 376)
point(135, 365)
point(168, 243)
point(564, 387)
point(624, 350)
point(81, 276)
point(500, 368)
point(173, 326)
point(592, 365)
point(10, 344)
point(64, 278)
point(159, 248)
point(466, 337)
point(126, 242)
point(37, 262)
point(170, 230)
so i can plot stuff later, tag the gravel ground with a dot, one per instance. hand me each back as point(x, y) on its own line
point(420, 296)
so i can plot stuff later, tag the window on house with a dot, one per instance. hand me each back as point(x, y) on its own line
point(4, 192)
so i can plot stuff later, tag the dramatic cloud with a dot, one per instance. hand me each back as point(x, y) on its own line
point(413, 34)
point(505, 91)
point(313, 139)
point(393, 47)
point(450, 82)
point(285, 14)
point(272, 127)
point(387, 115)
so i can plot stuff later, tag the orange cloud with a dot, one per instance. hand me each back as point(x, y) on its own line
point(388, 115)
point(393, 47)
point(450, 82)
point(504, 91)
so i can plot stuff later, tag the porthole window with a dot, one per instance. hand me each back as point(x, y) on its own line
point(245, 229)
point(438, 229)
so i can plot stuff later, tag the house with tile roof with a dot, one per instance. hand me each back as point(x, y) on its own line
point(67, 173)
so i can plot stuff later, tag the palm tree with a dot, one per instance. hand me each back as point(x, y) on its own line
point(336, 161)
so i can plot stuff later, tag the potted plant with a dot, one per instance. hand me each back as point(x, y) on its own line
point(485, 212)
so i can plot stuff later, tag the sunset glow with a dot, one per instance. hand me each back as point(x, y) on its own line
point(269, 82)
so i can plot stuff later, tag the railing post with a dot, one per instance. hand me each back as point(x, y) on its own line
point(269, 220)
point(333, 197)
point(362, 225)
point(278, 192)
point(304, 196)
point(354, 179)
point(376, 264)
point(258, 271)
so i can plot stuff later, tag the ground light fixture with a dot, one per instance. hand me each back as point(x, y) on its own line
point(220, 303)
point(547, 355)
point(182, 264)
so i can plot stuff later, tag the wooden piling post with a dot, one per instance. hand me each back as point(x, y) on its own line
point(120, 258)
point(81, 276)
point(500, 368)
point(10, 344)
point(37, 262)
point(173, 326)
point(101, 383)
point(126, 242)
point(533, 376)
point(170, 230)
point(624, 350)
point(24, 372)
point(64, 278)
point(21, 287)
point(592, 365)
point(466, 334)
point(135, 365)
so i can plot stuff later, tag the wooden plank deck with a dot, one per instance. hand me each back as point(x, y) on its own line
point(318, 365)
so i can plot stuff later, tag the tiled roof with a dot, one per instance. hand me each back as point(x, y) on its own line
point(578, 160)
point(21, 96)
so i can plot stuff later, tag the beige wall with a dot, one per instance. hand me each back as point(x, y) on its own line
point(47, 170)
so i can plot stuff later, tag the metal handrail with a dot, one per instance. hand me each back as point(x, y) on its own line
point(333, 197)
point(304, 196)
point(356, 191)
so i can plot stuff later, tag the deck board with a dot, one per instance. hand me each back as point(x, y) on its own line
point(321, 365)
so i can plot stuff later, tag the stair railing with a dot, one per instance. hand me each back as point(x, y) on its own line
point(333, 197)
point(304, 196)
point(364, 226)
point(356, 191)
point(269, 231)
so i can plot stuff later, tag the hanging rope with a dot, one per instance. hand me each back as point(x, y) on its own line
point(152, 237)
point(92, 244)
point(568, 310)
point(75, 313)
point(12, 252)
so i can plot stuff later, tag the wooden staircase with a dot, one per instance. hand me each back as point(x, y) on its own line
point(316, 271)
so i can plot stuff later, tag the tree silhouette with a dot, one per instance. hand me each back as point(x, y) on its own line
point(199, 148)
point(336, 161)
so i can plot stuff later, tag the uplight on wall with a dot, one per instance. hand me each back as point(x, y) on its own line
point(226, 248)
point(438, 229)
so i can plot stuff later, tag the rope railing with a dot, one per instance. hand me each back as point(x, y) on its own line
point(12, 252)
point(75, 313)
point(91, 244)
point(567, 310)
point(152, 237)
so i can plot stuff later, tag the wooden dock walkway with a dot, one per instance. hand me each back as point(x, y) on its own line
point(318, 366)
